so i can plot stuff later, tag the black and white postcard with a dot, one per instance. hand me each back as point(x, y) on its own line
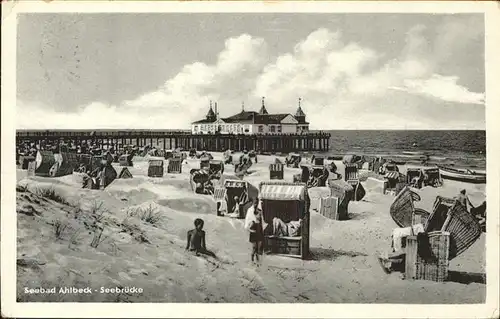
point(250, 159)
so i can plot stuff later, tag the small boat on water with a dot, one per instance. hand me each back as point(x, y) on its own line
point(462, 175)
point(335, 157)
point(397, 161)
point(413, 153)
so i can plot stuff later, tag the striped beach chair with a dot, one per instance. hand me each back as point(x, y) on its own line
point(155, 168)
point(276, 171)
point(220, 199)
point(351, 173)
point(220, 194)
point(393, 181)
point(174, 166)
point(352, 177)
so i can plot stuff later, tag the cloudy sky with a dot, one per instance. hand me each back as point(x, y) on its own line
point(353, 71)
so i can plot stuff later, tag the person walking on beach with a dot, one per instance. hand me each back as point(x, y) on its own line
point(196, 239)
point(254, 224)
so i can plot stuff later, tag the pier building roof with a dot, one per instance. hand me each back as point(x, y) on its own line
point(261, 117)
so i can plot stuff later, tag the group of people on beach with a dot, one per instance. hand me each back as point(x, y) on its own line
point(254, 224)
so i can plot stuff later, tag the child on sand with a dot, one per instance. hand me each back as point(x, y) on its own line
point(196, 239)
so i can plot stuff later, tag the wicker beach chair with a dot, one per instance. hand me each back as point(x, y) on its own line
point(433, 177)
point(414, 177)
point(24, 160)
point(216, 168)
point(318, 160)
point(402, 209)
point(463, 227)
point(204, 162)
point(44, 161)
point(125, 160)
point(336, 205)
point(352, 177)
point(108, 175)
point(276, 171)
point(288, 202)
point(168, 154)
point(293, 160)
point(450, 230)
point(428, 260)
point(220, 194)
point(155, 168)
point(237, 188)
point(174, 166)
point(199, 176)
point(351, 173)
point(125, 173)
point(31, 169)
point(65, 165)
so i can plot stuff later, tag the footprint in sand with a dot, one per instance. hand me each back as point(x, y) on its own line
point(256, 283)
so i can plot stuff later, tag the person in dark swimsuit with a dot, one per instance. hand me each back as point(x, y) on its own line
point(196, 239)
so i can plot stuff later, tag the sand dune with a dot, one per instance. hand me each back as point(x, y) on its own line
point(145, 221)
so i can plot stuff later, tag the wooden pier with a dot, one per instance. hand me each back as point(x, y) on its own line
point(169, 139)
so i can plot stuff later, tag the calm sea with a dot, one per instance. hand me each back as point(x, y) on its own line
point(464, 148)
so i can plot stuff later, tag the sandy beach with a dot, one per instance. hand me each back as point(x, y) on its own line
point(145, 221)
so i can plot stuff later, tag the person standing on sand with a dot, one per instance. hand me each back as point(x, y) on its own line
point(464, 199)
point(196, 239)
point(254, 224)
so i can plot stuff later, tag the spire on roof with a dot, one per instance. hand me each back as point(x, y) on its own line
point(243, 106)
point(299, 109)
point(210, 113)
point(263, 108)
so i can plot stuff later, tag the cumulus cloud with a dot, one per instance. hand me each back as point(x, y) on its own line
point(343, 84)
point(197, 83)
point(442, 87)
point(98, 116)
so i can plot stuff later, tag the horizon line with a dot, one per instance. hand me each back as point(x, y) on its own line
point(310, 130)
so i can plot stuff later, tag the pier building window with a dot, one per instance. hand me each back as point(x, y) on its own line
point(273, 129)
point(261, 128)
point(279, 128)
